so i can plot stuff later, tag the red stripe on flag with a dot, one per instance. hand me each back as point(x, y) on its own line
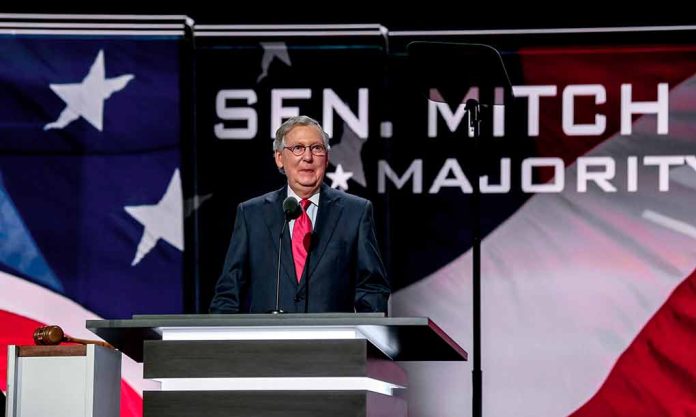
point(643, 68)
point(656, 375)
point(19, 330)
point(131, 402)
point(16, 330)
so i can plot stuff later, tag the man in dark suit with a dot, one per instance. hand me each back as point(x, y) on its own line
point(330, 258)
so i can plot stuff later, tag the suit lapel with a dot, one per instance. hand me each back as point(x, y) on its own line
point(274, 218)
point(330, 209)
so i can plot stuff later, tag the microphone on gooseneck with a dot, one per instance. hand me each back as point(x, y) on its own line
point(292, 210)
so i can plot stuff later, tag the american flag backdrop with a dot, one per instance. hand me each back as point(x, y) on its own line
point(587, 210)
point(91, 218)
point(588, 291)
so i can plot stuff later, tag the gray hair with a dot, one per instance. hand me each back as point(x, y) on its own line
point(279, 141)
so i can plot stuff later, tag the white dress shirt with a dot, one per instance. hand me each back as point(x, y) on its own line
point(311, 210)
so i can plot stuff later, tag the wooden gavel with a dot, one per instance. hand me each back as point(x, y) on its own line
point(54, 335)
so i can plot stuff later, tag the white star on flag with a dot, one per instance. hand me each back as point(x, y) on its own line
point(339, 178)
point(193, 203)
point(272, 50)
point(163, 220)
point(87, 98)
point(347, 153)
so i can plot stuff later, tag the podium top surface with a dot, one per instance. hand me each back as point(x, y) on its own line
point(399, 338)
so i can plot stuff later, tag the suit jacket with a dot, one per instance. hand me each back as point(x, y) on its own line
point(344, 271)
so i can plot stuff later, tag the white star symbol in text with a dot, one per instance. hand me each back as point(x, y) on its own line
point(86, 99)
point(339, 178)
point(163, 220)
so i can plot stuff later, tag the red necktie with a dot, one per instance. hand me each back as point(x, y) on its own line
point(300, 239)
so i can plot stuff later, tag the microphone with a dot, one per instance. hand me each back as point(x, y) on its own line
point(54, 335)
point(473, 115)
point(292, 210)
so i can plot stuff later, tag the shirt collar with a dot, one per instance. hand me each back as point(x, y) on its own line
point(314, 199)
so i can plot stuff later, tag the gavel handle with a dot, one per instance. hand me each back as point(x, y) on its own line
point(87, 342)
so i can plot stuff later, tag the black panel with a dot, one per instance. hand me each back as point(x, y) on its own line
point(255, 358)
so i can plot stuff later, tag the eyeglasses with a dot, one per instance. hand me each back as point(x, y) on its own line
point(299, 150)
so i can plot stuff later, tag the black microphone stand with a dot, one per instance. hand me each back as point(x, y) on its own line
point(473, 116)
point(277, 309)
point(452, 69)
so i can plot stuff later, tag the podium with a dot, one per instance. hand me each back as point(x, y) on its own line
point(63, 381)
point(289, 365)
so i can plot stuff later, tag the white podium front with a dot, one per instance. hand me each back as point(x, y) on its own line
point(63, 381)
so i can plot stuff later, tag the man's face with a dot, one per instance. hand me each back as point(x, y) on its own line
point(305, 172)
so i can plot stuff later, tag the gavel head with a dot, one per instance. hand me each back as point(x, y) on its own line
point(48, 335)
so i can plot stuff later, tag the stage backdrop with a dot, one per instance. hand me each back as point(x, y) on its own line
point(588, 171)
point(91, 222)
point(247, 84)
